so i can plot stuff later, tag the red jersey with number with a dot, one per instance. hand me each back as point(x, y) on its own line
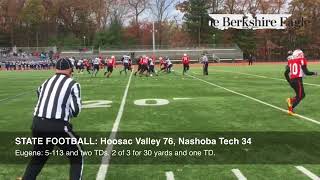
point(145, 61)
point(161, 61)
point(111, 62)
point(86, 63)
point(185, 60)
point(101, 62)
point(295, 66)
point(140, 61)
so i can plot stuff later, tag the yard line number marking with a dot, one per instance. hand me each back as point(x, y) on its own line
point(141, 102)
point(156, 102)
point(96, 104)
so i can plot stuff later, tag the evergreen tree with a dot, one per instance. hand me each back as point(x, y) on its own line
point(112, 36)
point(197, 21)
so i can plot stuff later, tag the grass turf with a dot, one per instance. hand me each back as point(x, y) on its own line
point(210, 109)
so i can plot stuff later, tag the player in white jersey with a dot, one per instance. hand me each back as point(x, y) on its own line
point(72, 59)
point(151, 66)
point(96, 68)
point(168, 65)
point(80, 66)
point(126, 61)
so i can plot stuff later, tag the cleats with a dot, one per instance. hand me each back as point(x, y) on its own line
point(290, 113)
point(289, 102)
point(290, 109)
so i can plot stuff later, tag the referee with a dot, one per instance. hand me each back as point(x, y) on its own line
point(59, 100)
point(205, 62)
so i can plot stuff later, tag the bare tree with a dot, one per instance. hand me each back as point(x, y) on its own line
point(230, 6)
point(120, 10)
point(253, 6)
point(236, 6)
point(138, 6)
point(279, 4)
point(215, 5)
point(107, 11)
point(161, 11)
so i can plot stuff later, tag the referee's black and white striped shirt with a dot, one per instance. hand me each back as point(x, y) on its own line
point(59, 98)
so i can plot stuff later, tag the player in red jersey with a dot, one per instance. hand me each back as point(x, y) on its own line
point(111, 63)
point(144, 66)
point(185, 62)
point(298, 69)
point(287, 69)
point(139, 63)
point(86, 64)
point(162, 64)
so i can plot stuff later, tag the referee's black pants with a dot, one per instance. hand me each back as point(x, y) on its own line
point(53, 128)
point(205, 68)
point(297, 85)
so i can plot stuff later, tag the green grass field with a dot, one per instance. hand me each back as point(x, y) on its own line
point(231, 98)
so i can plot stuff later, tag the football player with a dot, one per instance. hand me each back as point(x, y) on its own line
point(96, 66)
point(162, 64)
point(139, 62)
point(185, 62)
point(168, 65)
point(130, 64)
point(287, 69)
point(111, 63)
point(144, 65)
point(126, 63)
point(80, 66)
point(298, 68)
point(151, 66)
point(87, 65)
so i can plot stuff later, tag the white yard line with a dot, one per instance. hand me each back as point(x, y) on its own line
point(238, 174)
point(308, 173)
point(103, 170)
point(170, 175)
point(15, 96)
point(257, 100)
point(182, 98)
point(265, 77)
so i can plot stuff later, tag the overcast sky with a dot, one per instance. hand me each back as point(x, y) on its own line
point(173, 13)
point(177, 15)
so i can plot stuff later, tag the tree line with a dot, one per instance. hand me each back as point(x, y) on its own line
point(127, 23)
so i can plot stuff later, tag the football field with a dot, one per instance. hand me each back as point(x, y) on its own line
point(231, 99)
